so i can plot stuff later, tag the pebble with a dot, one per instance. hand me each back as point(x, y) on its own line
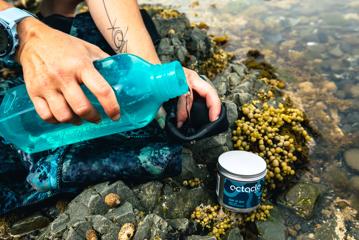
point(306, 87)
point(351, 158)
point(316, 180)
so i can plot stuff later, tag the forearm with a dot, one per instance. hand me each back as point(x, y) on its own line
point(4, 5)
point(121, 24)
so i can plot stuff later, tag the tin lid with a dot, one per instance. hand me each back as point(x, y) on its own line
point(242, 163)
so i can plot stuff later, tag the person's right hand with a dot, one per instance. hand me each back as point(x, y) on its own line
point(54, 65)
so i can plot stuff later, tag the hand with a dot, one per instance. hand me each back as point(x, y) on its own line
point(54, 65)
point(205, 90)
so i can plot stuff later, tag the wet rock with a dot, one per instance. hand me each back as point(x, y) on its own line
point(326, 231)
point(120, 188)
point(198, 237)
point(190, 169)
point(208, 150)
point(29, 224)
point(148, 194)
point(337, 177)
point(351, 158)
point(104, 226)
point(165, 47)
point(336, 52)
point(123, 214)
point(181, 204)
point(232, 112)
point(180, 224)
point(302, 198)
point(273, 228)
point(152, 226)
point(235, 234)
point(77, 231)
point(198, 43)
point(59, 225)
point(179, 25)
point(354, 184)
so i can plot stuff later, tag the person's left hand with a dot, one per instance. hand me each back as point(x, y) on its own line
point(205, 90)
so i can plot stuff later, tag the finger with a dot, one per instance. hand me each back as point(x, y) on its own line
point(79, 103)
point(59, 107)
point(96, 52)
point(43, 110)
point(102, 90)
point(213, 102)
point(184, 106)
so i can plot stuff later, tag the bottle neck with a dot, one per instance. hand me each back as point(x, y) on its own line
point(169, 81)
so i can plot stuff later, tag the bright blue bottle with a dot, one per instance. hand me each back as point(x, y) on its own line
point(140, 87)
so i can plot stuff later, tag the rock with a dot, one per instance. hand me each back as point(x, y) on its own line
point(198, 43)
point(306, 87)
point(165, 47)
point(181, 204)
point(180, 25)
point(326, 231)
point(337, 177)
point(103, 225)
point(208, 150)
point(232, 112)
point(235, 234)
point(336, 52)
point(179, 224)
point(29, 224)
point(198, 237)
point(148, 194)
point(59, 225)
point(351, 158)
point(354, 184)
point(190, 169)
point(120, 188)
point(273, 228)
point(121, 215)
point(77, 231)
point(302, 198)
point(152, 226)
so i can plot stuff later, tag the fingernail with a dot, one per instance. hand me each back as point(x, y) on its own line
point(116, 118)
point(179, 124)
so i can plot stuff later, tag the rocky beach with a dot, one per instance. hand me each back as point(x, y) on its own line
point(287, 100)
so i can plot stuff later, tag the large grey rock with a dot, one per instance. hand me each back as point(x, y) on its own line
point(302, 198)
point(208, 150)
point(152, 226)
point(198, 43)
point(180, 25)
point(232, 112)
point(148, 194)
point(165, 47)
point(123, 214)
point(273, 228)
point(102, 224)
point(180, 224)
point(59, 225)
point(181, 204)
point(120, 188)
point(77, 231)
point(190, 169)
point(29, 224)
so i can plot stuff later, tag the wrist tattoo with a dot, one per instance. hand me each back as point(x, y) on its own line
point(118, 35)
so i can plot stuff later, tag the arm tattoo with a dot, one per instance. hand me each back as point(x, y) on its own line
point(118, 36)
